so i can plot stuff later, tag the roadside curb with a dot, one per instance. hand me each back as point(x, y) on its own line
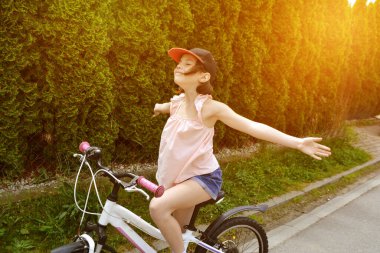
point(290, 229)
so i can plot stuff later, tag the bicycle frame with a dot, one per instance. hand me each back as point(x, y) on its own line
point(118, 216)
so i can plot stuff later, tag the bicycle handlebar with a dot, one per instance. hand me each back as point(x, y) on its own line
point(84, 146)
point(157, 190)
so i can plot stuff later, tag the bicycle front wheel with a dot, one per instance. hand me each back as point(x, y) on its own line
point(238, 235)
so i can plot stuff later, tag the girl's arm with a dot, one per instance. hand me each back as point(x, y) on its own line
point(308, 145)
point(161, 109)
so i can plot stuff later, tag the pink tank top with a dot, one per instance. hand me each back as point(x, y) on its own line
point(186, 147)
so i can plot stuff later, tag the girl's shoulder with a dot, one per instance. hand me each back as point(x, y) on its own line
point(212, 103)
point(214, 107)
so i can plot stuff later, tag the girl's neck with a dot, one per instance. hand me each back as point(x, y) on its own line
point(190, 96)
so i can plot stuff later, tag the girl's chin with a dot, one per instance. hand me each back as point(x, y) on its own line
point(178, 81)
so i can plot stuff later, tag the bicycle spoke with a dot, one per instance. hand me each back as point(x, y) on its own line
point(239, 235)
point(240, 238)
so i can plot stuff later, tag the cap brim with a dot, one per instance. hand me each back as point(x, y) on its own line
point(176, 54)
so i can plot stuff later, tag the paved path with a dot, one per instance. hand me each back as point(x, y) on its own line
point(353, 227)
point(369, 139)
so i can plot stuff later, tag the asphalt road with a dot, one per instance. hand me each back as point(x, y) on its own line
point(349, 224)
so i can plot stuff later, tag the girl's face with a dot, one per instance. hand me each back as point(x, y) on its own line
point(185, 65)
point(185, 73)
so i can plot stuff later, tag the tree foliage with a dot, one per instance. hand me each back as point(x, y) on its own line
point(92, 70)
point(283, 44)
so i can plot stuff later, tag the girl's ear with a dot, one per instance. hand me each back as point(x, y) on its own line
point(205, 77)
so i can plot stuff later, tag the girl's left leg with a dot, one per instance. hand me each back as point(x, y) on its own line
point(183, 216)
point(182, 196)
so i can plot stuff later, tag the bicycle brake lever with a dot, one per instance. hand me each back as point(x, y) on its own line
point(135, 189)
point(81, 157)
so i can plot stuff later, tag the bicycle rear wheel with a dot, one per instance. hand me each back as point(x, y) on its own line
point(238, 235)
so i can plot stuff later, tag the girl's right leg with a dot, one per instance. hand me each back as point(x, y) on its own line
point(182, 196)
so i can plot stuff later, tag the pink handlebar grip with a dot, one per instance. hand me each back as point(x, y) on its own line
point(83, 146)
point(152, 187)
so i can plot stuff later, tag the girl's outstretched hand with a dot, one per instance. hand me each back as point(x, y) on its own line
point(310, 147)
point(161, 109)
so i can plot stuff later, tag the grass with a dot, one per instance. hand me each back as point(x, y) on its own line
point(46, 220)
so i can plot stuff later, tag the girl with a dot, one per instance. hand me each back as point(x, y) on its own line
point(187, 166)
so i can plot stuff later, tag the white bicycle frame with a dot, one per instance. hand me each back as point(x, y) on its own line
point(119, 217)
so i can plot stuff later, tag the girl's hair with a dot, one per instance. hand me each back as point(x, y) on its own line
point(206, 87)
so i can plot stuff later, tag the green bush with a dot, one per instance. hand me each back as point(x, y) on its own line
point(74, 70)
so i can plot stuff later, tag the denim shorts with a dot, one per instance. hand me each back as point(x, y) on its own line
point(211, 182)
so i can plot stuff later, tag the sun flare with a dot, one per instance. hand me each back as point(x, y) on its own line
point(352, 2)
point(370, 2)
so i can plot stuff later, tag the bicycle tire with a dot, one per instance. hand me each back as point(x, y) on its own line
point(228, 238)
point(80, 247)
point(74, 247)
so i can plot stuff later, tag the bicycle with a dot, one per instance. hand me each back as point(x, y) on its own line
point(227, 233)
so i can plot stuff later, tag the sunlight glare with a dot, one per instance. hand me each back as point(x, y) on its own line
point(352, 2)
point(370, 2)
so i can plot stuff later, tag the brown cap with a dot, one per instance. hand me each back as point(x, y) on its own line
point(204, 56)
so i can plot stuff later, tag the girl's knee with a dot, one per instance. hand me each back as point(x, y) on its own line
point(153, 206)
point(157, 209)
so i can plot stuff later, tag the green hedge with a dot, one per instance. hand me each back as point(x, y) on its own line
point(93, 70)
